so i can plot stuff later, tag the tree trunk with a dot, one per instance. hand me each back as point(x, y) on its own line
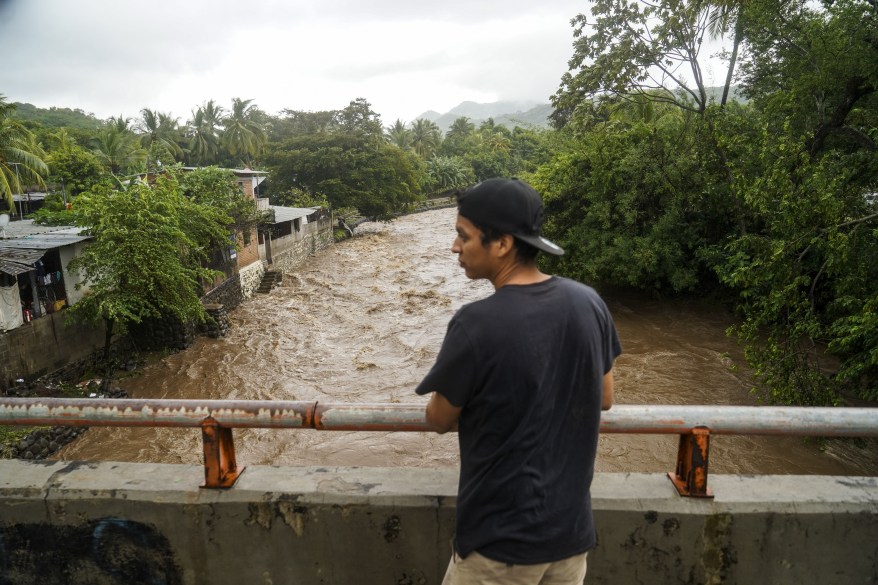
point(108, 365)
point(739, 34)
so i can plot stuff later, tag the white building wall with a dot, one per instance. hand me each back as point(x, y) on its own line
point(71, 279)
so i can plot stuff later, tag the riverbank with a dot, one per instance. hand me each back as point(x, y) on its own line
point(362, 323)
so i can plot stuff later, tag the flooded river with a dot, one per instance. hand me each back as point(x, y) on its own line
point(363, 321)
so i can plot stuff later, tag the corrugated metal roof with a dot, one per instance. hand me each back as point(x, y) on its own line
point(42, 241)
point(28, 235)
point(282, 214)
point(13, 261)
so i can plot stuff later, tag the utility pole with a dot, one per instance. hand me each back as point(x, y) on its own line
point(18, 184)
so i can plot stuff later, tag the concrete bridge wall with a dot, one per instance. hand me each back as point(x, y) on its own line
point(108, 523)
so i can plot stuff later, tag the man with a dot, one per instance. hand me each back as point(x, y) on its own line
point(523, 375)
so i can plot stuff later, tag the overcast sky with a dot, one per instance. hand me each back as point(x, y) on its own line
point(113, 57)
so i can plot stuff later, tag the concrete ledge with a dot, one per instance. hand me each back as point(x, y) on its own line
point(123, 523)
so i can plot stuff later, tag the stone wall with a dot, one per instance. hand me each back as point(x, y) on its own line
point(249, 278)
point(228, 294)
point(168, 332)
point(315, 525)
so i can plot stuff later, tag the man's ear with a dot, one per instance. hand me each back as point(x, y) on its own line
point(505, 245)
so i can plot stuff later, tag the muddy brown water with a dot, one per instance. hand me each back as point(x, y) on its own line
point(362, 322)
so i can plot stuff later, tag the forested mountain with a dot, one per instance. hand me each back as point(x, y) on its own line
point(521, 113)
point(56, 117)
point(505, 113)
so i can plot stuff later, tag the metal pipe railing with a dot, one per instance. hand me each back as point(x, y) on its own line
point(216, 418)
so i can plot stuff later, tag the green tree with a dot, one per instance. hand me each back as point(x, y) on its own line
point(804, 272)
point(295, 123)
point(399, 135)
point(160, 135)
point(21, 161)
point(60, 140)
point(218, 189)
point(243, 133)
point(76, 170)
point(634, 207)
point(146, 258)
point(625, 49)
point(657, 186)
point(426, 137)
point(460, 140)
point(349, 170)
point(448, 172)
point(358, 117)
point(203, 132)
point(117, 149)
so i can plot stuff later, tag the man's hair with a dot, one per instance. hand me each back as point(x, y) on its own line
point(523, 251)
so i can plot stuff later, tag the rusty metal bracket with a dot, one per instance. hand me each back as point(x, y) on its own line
point(220, 468)
point(690, 476)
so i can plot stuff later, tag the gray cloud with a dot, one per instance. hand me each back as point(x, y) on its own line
point(110, 57)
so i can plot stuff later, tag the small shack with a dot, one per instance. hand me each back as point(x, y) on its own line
point(34, 279)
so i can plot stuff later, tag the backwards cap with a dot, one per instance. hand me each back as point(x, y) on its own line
point(509, 206)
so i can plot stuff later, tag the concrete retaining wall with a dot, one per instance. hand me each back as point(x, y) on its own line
point(126, 523)
point(44, 345)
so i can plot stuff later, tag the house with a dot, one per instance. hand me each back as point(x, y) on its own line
point(293, 234)
point(249, 265)
point(34, 280)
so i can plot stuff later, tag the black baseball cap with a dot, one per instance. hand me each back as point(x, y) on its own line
point(509, 206)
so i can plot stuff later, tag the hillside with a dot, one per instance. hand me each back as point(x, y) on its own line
point(56, 117)
point(507, 113)
point(524, 114)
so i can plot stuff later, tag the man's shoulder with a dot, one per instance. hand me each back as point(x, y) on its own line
point(576, 287)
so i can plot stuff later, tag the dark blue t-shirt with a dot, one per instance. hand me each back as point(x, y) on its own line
point(526, 365)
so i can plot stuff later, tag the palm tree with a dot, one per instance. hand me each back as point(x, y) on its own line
point(204, 131)
point(448, 172)
point(648, 107)
point(20, 157)
point(243, 134)
point(726, 14)
point(117, 150)
point(160, 134)
point(120, 124)
point(426, 137)
point(399, 135)
point(460, 129)
point(60, 141)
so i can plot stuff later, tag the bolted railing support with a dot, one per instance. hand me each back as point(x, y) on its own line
point(690, 476)
point(220, 468)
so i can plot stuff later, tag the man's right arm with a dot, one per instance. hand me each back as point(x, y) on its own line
point(607, 391)
point(441, 415)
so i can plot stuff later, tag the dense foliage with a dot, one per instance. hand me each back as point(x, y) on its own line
point(21, 162)
point(343, 158)
point(773, 200)
point(150, 247)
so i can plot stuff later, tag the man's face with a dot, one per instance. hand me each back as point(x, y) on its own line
point(476, 259)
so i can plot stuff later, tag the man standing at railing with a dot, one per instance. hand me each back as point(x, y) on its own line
point(523, 375)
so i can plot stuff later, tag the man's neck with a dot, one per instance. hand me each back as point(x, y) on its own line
point(517, 273)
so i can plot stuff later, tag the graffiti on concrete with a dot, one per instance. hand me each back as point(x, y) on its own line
point(110, 551)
